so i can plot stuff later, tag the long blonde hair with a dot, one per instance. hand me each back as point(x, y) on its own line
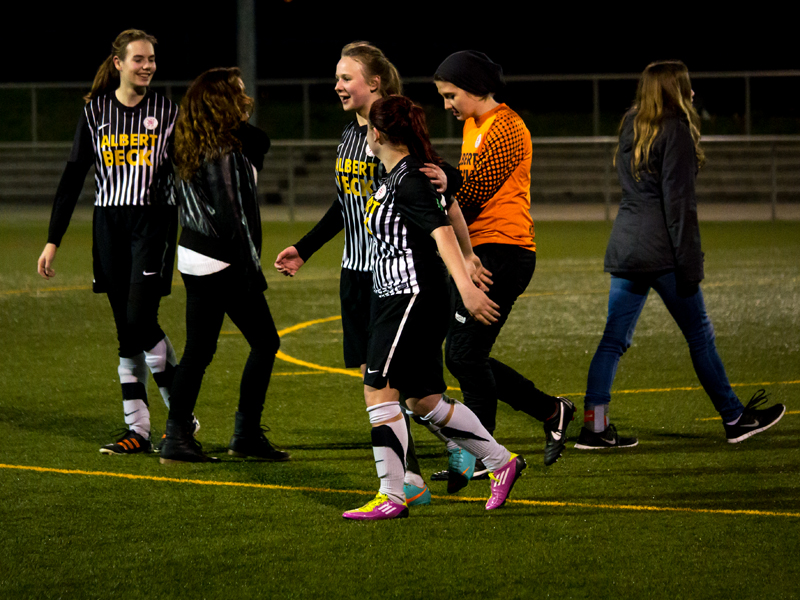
point(664, 89)
point(107, 77)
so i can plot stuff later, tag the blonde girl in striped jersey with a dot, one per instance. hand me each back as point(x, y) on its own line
point(125, 132)
point(363, 75)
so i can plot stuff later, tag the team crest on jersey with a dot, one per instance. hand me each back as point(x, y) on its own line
point(150, 123)
point(379, 195)
point(478, 140)
point(368, 150)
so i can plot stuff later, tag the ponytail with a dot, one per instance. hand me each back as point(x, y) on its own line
point(104, 80)
point(404, 123)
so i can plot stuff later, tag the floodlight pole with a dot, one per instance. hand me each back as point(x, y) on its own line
point(246, 48)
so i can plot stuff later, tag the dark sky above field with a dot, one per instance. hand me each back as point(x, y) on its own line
point(302, 38)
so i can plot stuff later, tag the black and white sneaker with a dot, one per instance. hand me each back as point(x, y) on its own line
point(589, 440)
point(555, 430)
point(130, 443)
point(754, 421)
point(481, 472)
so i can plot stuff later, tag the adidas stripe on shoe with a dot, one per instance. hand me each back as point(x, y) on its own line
point(130, 443)
point(378, 509)
point(503, 479)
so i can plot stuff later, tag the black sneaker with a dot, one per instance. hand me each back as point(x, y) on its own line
point(754, 421)
point(589, 440)
point(555, 430)
point(130, 443)
point(480, 472)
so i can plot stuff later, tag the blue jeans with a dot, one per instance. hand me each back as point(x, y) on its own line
point(626, 299)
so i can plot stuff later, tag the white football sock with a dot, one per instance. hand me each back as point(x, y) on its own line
point(465, 429)
point(133, 376)
point(137, 416)
point(162, 361)
point(414, 479)
point(389, 446)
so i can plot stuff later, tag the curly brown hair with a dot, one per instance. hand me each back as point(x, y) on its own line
point(214, 106)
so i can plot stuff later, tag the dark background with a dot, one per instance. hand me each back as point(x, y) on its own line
point(302, 38)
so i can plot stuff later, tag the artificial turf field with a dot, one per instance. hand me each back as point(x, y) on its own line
point(683, 515)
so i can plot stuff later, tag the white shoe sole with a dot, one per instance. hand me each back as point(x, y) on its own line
point(578, 446)
point(755, 431)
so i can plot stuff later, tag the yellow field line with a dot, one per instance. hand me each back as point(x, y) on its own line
point(356, 373)
point(720, 284)
point(289, 488)
point(693, 388)
point(179, 282)
point(303, 363)
point(65, 288)
point(51, 289)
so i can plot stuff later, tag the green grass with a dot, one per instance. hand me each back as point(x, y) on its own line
point(275, 531)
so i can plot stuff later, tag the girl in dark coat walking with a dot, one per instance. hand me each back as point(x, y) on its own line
point(655, 243)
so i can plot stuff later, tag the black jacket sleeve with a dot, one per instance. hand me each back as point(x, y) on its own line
point(678, 173)
point(255, 144)
point(69, 189)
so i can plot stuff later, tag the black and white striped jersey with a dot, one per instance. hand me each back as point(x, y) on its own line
point(130, 145)
point(357, 171)
point(400, 218)
point(129, 148)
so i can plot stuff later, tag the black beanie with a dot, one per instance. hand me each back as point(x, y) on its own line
point(473, 72)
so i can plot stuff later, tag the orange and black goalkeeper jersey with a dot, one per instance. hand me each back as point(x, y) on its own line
point(496, 165)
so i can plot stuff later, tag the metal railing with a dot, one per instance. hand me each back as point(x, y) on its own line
point(305, 86)
point(759, 166)
point(609, 184)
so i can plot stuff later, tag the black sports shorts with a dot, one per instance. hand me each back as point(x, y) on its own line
point(405, 343)
point(132, 244)
point(355, 292)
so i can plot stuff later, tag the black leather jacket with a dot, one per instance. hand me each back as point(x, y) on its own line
point(220, 215)
point(656, 228)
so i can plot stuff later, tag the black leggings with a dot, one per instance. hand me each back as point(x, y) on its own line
point(484, 380)
point(208, 299)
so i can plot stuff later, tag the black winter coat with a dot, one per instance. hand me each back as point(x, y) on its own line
point(220, 215)
point(656, 228)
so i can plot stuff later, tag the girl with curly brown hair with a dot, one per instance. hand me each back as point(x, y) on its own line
point(219, 258)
